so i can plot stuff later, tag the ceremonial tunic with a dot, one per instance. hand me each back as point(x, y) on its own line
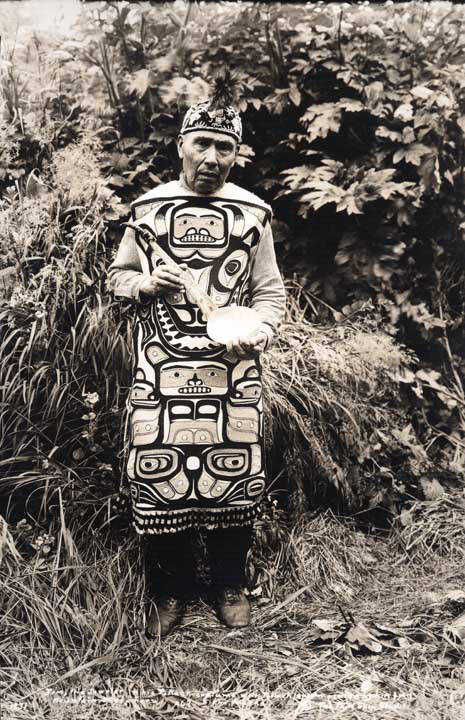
point(196, 455)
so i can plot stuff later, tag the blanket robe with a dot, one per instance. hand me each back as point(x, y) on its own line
point(196, 455)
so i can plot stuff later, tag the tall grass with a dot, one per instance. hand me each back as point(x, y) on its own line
point(83, 601)
point(333, 402)
point(61, 337)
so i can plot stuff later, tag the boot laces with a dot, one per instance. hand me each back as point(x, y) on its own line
point(232, 595)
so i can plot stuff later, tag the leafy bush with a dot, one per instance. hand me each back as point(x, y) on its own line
point(356, 119)
point(354, 123)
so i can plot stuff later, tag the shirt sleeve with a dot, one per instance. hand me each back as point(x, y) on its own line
point(125, 275)
point(267, 293)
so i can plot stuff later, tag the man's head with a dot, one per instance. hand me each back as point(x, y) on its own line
point(209, 139)
point(207, 158)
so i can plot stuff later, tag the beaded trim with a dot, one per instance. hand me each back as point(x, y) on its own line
point(202, 117)
point(159, 522)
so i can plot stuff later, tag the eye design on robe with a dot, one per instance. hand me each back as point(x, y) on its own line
point(154, 464)
point(255, 487)
point(232, 269)
point(228, 462)
point(157, 463)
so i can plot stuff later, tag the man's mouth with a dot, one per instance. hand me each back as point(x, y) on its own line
point(207, 176)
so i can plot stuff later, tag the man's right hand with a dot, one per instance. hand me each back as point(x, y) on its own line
point(162, 281)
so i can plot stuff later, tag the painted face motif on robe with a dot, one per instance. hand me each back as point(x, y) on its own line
point(193, 422)
point(193, 414)
point(214, 239)
point(193, 379)
point(198, 232)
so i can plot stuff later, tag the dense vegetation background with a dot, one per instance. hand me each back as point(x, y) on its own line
point(354, 132)
point(354, 120)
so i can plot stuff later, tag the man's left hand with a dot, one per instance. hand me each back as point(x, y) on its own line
point(248, 345)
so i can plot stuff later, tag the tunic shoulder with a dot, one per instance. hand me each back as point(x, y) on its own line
point(145, 202)
point(175, 189)
point(160, 191)
point(235, 192)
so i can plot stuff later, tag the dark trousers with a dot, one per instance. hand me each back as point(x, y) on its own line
point(169, 559)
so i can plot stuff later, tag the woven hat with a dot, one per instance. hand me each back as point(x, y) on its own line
point(217, 112)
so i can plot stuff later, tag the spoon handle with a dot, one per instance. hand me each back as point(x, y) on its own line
point(201, 298)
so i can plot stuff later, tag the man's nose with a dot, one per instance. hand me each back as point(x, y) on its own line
point(211, 158)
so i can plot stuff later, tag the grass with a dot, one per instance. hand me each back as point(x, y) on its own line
point(72, 603)
point(72, 618)
point(333, 403)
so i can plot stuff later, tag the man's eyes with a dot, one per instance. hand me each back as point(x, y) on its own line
point(221, 148)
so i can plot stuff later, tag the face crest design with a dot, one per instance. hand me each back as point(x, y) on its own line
point(194, 416)
point(196, 378)
point(215, 240)
point(195, 410)
point(198, 233)
point(193, 422)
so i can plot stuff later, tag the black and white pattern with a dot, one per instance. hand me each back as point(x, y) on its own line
point(196, 446)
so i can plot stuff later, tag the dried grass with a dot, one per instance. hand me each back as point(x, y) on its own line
point(331, 396)
point(325, 553)
point(76, 170)
point(432, 528)
point(73, 645)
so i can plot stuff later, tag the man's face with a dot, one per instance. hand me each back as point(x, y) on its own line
point(207, 157)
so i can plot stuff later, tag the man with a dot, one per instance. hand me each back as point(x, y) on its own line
point(196, 445)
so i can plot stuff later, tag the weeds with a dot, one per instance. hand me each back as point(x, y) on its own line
point(76, 610)
point(331, 398)
point(433, 528)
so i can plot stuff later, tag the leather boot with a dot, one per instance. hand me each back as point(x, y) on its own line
point(233, 607)
point(165, 612)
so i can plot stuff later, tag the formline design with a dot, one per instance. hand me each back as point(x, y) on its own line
point(196, 454)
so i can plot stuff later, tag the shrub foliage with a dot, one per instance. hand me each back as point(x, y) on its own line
point(354, 121)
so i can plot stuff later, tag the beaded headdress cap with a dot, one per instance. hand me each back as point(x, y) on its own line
point(218, 112)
